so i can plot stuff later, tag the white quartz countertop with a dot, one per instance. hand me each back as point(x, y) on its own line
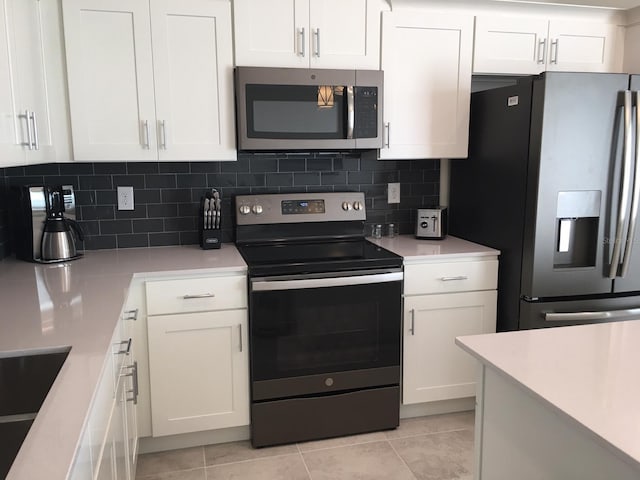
point(419, 250)
point(77, 304)
point(589, 373)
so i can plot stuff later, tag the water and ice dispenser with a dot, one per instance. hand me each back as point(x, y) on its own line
point(577, 219)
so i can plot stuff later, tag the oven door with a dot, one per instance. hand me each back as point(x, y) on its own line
point(313, 334)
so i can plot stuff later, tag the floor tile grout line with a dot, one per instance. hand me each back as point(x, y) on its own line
point(247, 460)
point(204, 460)
point(304, 462)
point(344, 445)
point(402, 459)
point(431, 433)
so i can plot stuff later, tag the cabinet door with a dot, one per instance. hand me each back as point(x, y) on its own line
point(434, 368)
point(110, 75)
point(119, 431)
point(193, 74)
point(11, 152)
point(426, 58)
point(199, 371)
point(31, 73)
point(345, 33)
point(632, 49)
point(272, 33)
point(510, 45)
point(582, 47)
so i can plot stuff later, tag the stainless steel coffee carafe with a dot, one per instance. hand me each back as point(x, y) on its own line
point(59, 233)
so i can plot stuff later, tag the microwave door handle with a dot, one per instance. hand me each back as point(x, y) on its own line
point(635, 194)
point(624, 197)
point(350, 111)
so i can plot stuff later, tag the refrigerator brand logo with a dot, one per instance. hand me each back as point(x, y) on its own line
point(512, 101)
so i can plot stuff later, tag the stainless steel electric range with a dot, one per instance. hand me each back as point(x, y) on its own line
point(324, 318)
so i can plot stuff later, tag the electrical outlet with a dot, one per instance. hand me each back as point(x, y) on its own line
point(393, 193)
point(125, 198)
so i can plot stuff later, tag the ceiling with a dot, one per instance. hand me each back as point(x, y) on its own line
point(621, 4)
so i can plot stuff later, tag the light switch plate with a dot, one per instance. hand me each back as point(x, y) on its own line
point(125, 198)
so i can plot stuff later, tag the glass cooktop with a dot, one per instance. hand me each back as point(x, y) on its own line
point(316, 257)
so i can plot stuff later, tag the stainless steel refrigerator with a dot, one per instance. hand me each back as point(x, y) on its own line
point(553, 181)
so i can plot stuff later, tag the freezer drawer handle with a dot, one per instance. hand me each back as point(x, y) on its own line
point(591, 316)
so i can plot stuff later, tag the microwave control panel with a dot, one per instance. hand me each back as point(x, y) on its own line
point(366, 111)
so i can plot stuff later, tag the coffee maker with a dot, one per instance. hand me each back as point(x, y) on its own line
point(43, 223)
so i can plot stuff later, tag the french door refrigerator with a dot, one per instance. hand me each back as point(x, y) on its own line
point(553, 182)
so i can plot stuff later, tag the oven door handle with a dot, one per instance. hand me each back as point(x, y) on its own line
point(269, 285)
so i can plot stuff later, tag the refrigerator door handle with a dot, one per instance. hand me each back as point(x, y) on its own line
point(592, 316)
point(635, 200)
point(624, 196)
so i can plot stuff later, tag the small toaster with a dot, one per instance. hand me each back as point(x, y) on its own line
point(431, 223)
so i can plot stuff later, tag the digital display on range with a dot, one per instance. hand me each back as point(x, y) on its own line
point(293, 207)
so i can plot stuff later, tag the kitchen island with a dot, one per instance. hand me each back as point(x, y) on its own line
point(558, 403)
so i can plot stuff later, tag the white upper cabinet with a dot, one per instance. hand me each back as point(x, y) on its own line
point(27, 44)
point(193, 71)
point(530, 45)
point(134, 99)
point(308, 33)
point(426, 59)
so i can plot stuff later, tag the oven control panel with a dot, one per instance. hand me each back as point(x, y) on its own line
point(300, 207)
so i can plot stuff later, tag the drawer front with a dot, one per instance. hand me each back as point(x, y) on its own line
point(196, 294)
point(450, 277)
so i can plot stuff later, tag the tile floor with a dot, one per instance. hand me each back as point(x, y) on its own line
point(438, 447)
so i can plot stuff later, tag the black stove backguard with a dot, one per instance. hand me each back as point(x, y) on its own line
point(324, 318)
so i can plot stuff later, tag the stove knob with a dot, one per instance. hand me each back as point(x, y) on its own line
point(357, 205)
point(245, 209)
point(424, 225)
point(346, 206)
point(257, 209)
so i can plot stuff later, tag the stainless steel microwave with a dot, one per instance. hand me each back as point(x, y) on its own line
point(314, 109)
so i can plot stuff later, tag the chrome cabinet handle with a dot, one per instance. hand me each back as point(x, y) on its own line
point(29, 142)
point(635, 191)
point(126, 350)
point(542, 51)
point(199, 295)
point(626, 178)
point(34, 122)
point(163, 137)
point(145, 140)
point(451, 279)
point(316, 34)
point(387, 126)
point(554, 51)
point(131, 315)
point(134, 380)
point(302, 35)
point(350, 111)
point(240, 335)
point(412, 330)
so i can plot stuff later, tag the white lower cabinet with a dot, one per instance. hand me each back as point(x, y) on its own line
point(108, 447)
point(198, 360)
point(434, 368)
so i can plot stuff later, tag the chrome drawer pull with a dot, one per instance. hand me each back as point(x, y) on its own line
point(126, 350)
point(131, 315)
point(200, 295)
point(450, 279)
point(413, 322)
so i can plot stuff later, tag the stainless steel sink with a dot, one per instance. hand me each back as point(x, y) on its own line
point(25, 381)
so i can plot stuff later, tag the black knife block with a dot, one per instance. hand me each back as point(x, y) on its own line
point(210, 239)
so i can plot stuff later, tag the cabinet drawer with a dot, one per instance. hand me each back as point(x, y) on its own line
point(450, 277)
point(196, 294)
